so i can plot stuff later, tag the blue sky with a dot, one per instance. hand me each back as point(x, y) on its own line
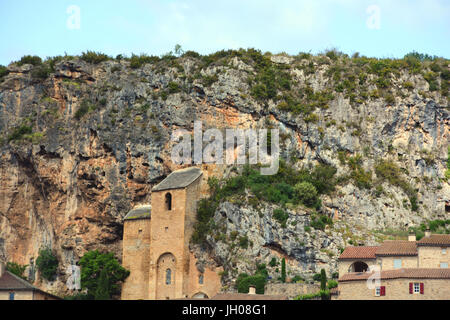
point(380, 28)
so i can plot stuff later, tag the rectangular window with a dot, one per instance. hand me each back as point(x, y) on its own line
point(380, 291)
point(416, 287)
point(11, 295)
point(444, 250)
point(444, 265)
point(397, 263)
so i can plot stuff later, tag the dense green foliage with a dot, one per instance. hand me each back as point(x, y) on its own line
point(283, 270)
point(103, 291)
point(34, 60)
point(101, 275)
point(3, 72)
point(85, 107)
point(47, 264)
point(19, 132)
point(281, 216)
point(258, 280)
point(332, 284)
point(17, 269)
point(138, 61)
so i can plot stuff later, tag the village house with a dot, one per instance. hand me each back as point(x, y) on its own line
point(14, 288)
point(156, 244)
point(405, 269)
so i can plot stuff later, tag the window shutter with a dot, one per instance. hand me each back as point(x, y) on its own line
point(382, 291)
point(411, 288)
point(421, 288)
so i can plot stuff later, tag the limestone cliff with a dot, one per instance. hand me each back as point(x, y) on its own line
point(82, 142)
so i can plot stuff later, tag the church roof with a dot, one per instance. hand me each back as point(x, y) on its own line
point(143, 212)
point(179, 179)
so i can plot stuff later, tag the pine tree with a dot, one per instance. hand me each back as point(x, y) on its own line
point(323, 280)
point(283, 270)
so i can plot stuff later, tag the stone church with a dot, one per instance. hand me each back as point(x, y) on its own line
point(156, 244)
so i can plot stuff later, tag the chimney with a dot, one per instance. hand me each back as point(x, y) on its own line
point(427, 232)
point(2, 268)
point(251, 290)
point(412, 236)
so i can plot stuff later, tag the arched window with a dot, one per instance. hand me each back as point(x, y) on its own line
point(168, 201)
point(200, 278)
point(168, 276)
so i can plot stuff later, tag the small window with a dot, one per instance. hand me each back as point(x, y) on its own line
point(168, 201)
point(416, 287)
point(444, 265)
point(168, 276)
point(444, 250)
point(12, 295)
point(397, 263)
point(201, 278)
point(377, 291)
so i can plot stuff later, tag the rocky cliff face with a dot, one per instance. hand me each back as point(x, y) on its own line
point(84, 143)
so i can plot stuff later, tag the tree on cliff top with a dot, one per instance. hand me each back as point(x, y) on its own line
point(101, 275)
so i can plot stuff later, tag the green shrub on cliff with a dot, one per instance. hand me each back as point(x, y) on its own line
point(259, 280)
point(288, 186)
point(19, 132)
point(94, 57)
point(47, 264)
point(34, 60)
point(3, 72)
point(138, 61)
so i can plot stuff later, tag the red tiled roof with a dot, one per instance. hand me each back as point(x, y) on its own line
point(246, 296)
point(415, 273)
point(358, 253)
point(397, 248)
point(435, 240)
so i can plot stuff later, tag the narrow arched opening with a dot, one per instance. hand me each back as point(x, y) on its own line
point(168, 276)
point(359, 266)
point(168, 201)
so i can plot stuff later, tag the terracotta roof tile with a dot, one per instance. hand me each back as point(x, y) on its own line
point(415, 273)
point(358, 253)
point(397, 248)
point(435, 240)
